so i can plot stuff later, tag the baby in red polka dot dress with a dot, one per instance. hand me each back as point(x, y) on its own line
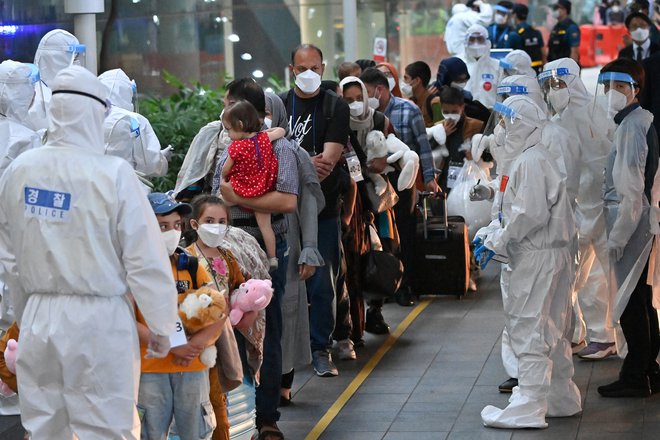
point(251, 166)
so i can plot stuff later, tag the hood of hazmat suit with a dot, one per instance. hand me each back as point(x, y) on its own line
point(535, 231)
point(16, 94)
point(127, 134)
point(461, 19)
point(517, 62)
point(73, 203)
point(483, 69)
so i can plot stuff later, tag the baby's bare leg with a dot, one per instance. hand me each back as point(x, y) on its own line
point(263, 220)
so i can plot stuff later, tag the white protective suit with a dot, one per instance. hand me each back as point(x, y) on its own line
point(589, 127)
point(517, 62)
point(483, 69)
point(627, 209)
point(564, 151)
point(16, 94)
point(535, 234)
point(127, 134)
point(461, 19)
point(56, 51)
point(76, 236)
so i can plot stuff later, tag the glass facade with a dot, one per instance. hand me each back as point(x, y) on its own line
point(211, 40)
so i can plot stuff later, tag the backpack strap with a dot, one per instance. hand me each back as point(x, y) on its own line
point(329, 104)
point(193, 265)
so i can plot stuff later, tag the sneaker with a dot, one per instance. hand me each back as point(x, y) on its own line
point(597, 350)
point(578, 346)
point(508, 385)
point(345, 350)
point(273, 263)
point(323, 365)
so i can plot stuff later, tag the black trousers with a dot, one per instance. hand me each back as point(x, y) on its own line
point(639, 323)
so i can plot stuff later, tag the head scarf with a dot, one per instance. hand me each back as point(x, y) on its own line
point(364, 123)
point(278, 115)
point(396, 91)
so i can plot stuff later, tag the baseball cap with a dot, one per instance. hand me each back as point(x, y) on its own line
point(566, 4)
point(164, 203)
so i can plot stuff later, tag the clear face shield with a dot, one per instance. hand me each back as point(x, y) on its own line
point(554, 86)
point(503, 92)
point(614, 92)
point(477, 45)
point(34, 79)
point(78, 54)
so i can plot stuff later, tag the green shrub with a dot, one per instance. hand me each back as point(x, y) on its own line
point(176, 119)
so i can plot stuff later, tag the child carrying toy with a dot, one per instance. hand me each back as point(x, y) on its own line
point(252, 166)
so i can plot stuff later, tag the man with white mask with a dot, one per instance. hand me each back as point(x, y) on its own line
point(462, 17)
point(484, 71)
point(642, 47)
point(128, 134)
point(536, 229)
point(69, 273)
point(319, 121)
point(574, 111)
point(57, 50)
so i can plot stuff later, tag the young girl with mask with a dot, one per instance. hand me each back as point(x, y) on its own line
point(208, 226)
point(251, 166)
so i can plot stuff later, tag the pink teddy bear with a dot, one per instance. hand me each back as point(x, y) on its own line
point(252, 296)
point(10, 361)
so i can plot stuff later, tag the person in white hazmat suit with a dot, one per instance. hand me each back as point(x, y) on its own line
point(574, 110)
point(57, 50)
point(629, 179)
point(462, 17)
point(16, 94)
point(129, 135)
point(483, 69)
point(536, 229)
point(561, 147)
point(76, 236)
point(517, 62)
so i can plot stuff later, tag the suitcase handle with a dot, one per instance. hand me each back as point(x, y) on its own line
point(424, 195)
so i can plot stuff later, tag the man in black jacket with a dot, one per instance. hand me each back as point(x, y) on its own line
point(639, 26)
point(651, 92)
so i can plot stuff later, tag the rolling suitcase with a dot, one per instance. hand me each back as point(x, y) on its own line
point(442, 253)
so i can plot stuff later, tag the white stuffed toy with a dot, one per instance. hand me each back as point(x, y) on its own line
point(408, 161)
point(438, 133)
point(376, 147)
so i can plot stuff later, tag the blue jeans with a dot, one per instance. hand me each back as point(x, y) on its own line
point(182, 395)
point(322, 285)
point(268, 391)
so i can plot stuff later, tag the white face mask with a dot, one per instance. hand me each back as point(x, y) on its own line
point(391, 83)
point(555, 14)
point(640, 35)
point(171, 239)
point(356, 108)
point(616, 101)
point(212, 234)
point(500, 19)
point(373, 103)
point(616, 8)
point(406, 89)
point(478, 51)
point(308, 82)
point(458, 85)
point(268, 122)
point(452, 116)
point(558, 99)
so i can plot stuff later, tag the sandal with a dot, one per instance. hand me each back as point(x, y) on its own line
point(270, 432)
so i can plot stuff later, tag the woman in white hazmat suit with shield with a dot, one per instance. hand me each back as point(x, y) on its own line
point(76, 235)
point(536, 229)
point(629, 185)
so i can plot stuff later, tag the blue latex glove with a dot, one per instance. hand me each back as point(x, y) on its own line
point(483, 255)
point(476, 243)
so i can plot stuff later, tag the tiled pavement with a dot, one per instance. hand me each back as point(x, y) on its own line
point(434, 381)
point(436, 378)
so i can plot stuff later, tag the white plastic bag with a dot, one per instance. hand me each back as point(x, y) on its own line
point(476, 214)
